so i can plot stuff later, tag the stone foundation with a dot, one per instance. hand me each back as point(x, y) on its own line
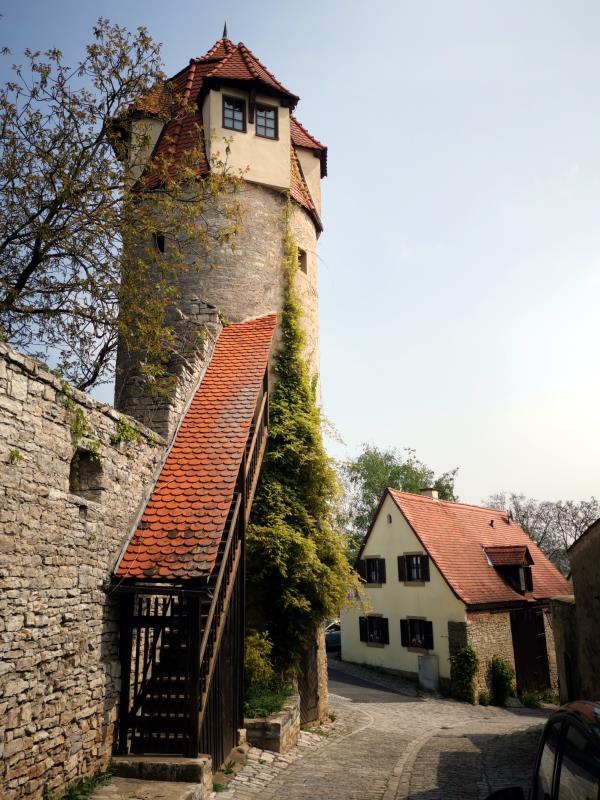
point(279, 732)
point(64, 516)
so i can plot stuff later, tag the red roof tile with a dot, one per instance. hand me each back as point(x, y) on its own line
point(457, 537)
point(299, 190)
point(180, 530)
point(302, 138)
point(506, 555)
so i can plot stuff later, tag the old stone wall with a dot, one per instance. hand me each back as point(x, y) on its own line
point(489, 633)
point(63, 522)
point(584, 557)
point(551, 648)
point(564, 626)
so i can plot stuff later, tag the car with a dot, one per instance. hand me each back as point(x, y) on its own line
point(567, 765)
point(333, 637)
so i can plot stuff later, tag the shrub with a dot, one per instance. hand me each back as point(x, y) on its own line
point(502, 676)
point(262, 701)
point(257, 659)
point(465, 664)
point(484, 698)
point(530, 700)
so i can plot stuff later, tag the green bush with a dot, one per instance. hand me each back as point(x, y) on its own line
point(502, 677)
point(484, 698)
point(465, 664)
point(258, 669)
point(262, 701)
point(530, 700)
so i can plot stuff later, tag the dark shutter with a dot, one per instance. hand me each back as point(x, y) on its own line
point(362, 627)
point(404, 635)
point(424, 568)
point(381, 569)
point(385, 630)
point(402, 568)
point(428, 635)
point(528, 579)
point(361, 568)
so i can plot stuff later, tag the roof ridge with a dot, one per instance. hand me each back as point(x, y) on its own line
point(221, 62)
point(451, 503)
point(307, 132)
point(262, 66)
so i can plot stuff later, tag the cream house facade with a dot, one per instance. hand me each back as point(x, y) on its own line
point(440, 575)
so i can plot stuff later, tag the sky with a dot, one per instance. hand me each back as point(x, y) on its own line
point(460, 262)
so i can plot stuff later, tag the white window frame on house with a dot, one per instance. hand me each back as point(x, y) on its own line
point(413, 568)
point(416, 633)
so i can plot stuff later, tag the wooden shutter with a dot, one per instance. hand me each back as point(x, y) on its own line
point(385, 630)
point(404, 634)
point(528, 579)
point(361, 568)
point(425, 568)
point(362, 627)
point(402, 568)
point(428, 635)
point(381, 570)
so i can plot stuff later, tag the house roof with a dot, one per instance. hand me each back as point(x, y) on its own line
point(508, 555)
point(181, 527)
point(457, 536)
point(224, 62)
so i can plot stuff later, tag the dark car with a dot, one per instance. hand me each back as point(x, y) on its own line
point(333, 637)
point(567, 765)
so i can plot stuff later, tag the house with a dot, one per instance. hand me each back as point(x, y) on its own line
point(440, 575)
point(576, 622)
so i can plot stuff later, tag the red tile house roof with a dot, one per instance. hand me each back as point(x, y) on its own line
point(181, 527)
point(457, 538)
point(225, 62)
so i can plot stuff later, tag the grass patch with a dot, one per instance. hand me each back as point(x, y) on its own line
point(263, 700)
point(219, 787)
point(83, 789)
point(530, 700)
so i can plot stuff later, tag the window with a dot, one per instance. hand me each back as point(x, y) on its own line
point(234, 113)
point(158, 240)
point(266, 122)
point(374, 630)
point(416, 633)
point(302, 263)
point(413, 568)
point(372, 570)
point(580, 767)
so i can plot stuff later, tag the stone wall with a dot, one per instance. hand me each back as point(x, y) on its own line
point(564, 626)
point(59, 668)
point(584, 557)
point(279, 732)
point(551, 648)
point(489, 633)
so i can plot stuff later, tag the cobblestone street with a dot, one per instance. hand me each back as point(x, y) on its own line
point(387, 745)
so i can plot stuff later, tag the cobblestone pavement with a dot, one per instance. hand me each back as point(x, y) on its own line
point(390, 742)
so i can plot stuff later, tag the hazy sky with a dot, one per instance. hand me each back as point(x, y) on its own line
point(460, 263)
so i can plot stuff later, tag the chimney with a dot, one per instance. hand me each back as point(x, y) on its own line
point(429, 491)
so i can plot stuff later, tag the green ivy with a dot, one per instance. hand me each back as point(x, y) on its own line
point(464, 663)
point(298, 573)
point(502, 677)
point(78, 422)
point(125, 432)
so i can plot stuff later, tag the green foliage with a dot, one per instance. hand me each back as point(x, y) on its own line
point(465, 663)
point(14, 456)
point(262, 701)
point(125, 432)
point(484, 698)
point(551, 697)
point(82, 790)
point(298, 572)
point(78, 422)
point(502, 677)
point(530, 700)
point(219, 787)
point(368, 475)
point(257, 658)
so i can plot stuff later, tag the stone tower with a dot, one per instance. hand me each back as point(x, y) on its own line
point(239, 104)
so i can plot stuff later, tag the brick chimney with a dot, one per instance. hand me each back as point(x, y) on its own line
point(429, 491)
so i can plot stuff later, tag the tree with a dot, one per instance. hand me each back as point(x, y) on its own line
point(368, 475)
point(553, 526)
point(80, 216)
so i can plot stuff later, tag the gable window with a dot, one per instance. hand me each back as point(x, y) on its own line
point(417, 633)
point(234, 114)
point(372, 570)
point(413, 568)
point(266, 122)
point(374, 630)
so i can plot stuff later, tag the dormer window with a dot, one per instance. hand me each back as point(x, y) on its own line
point(513, 564)
point(266, 122)
point(234, 114)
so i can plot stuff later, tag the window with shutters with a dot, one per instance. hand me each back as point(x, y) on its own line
point(374, 630)
point(372, 570)
point(416, 634)
point(413, 568)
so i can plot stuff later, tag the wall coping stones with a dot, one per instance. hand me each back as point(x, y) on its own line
point(278, 732)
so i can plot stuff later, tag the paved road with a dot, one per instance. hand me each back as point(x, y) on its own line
point(389, 745)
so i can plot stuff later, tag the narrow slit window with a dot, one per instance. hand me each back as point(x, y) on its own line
point(302, 261)
point(266, 122)
point(158, 239)
point(234, 114)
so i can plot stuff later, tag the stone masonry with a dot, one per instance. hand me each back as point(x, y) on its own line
point(489, 633)
point(63, 521)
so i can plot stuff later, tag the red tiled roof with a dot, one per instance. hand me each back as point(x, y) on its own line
point(506, 555)
point(302, 138)
point(455, 536)
point(299, 190)
point(180, 530)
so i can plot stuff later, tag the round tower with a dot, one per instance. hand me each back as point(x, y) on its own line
point(245, 115)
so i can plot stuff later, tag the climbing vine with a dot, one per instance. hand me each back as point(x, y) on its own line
point(78, 423)
point(298, 573)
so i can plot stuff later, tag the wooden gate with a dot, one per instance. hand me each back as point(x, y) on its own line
point(529, 646)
